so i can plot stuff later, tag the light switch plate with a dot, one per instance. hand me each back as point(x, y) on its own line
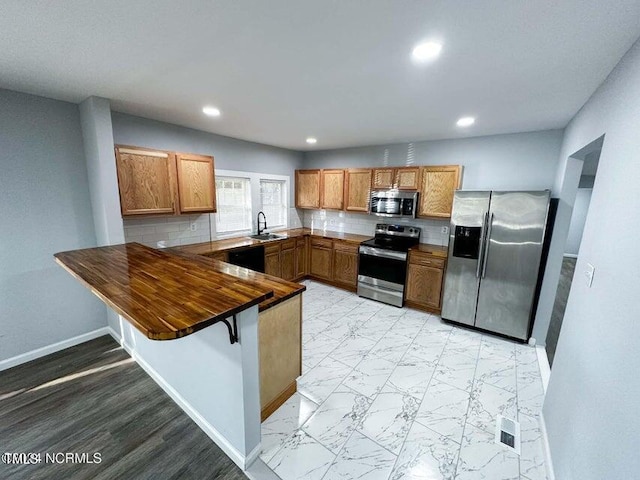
point(588, 273)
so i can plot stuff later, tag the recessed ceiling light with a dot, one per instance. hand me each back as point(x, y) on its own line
point(466, 121)
point(311, 140)
point(426, 51)
point(211, 111)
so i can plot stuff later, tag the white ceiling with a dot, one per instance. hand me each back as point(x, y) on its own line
point(339, 70)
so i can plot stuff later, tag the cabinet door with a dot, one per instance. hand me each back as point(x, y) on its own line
point(301, 258)
point(437, 187)
point(408, 178)
point(287, 261)
point(196, 183)
point(383, 177)
point(308, 188)
point(332, 189)
point(345, 267)
point(424, 285)
point(357, 189)
point(272, 264)
point(146, 180)
point(321, 264)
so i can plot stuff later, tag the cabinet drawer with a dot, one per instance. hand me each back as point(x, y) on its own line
point(321, 242)
point(426, 260)
point(345, 246)
point(273, 247)
point(287, 244)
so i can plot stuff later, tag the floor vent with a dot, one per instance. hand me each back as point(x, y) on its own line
point(508, 433)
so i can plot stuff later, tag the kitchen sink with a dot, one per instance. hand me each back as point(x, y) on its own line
point(266, 237)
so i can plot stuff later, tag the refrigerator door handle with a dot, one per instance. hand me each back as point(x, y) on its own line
point(481, 246)
point(486, 247)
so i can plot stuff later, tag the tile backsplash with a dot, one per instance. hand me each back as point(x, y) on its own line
point(363, 224)
point(158, 232)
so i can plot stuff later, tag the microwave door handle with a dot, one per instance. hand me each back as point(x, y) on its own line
point(481, 244)
point(487, 243)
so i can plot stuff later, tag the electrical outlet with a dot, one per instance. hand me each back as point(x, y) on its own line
point(193, 226)
point(445, 230)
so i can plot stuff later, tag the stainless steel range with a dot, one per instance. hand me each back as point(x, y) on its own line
point(382, 270)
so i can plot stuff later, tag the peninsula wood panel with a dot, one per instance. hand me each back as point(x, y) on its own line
point(196, 183)
point(357, 189)
point(383, 177)
point(424, 286)
point(146, 181)
point(279, 337)
point(407, 178)
point(345, 264)
point(307, 188)
point(332, 183)
point(437, 187)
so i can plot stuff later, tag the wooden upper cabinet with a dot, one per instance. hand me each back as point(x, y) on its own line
point(196, 183)
point(383, 177)
point(332, 193)
point(407, 178)
point(307, 188)
point(146, 180)
point(437, 186)
point(357, 189)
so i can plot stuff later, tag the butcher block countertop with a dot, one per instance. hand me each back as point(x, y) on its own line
point(167, 295)
point(434, 250)
point(215, 246)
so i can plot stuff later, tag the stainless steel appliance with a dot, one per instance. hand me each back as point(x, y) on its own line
point(382, 266)
point(394, 203)
point(495, 246)
point(249, 257)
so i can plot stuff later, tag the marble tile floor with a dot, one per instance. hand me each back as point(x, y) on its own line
point(390, 393)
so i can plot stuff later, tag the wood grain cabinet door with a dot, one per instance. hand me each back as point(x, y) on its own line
point(288, 263)
point(345, 266)
point(424, 285)
point(272, 264)
point(383, 177)
point(437, 186)
point(301, 258)
point(408, 178)
point(307, 188)
point(321, 262)
point(146, 180)
point(196, 183)
point(357, 189)
point(332, 196)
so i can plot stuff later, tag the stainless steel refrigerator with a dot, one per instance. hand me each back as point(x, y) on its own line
point(495, 246)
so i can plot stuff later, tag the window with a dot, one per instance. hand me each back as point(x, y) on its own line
point(273, 202)
point(234, 204)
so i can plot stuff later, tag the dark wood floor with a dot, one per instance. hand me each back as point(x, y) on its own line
point(559, 306)
point(95, 398)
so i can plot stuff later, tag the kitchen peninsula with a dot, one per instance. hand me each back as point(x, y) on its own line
point(226, 379)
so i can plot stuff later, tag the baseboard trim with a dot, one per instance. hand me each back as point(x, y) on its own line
point(547, 450)
point(244, 462)
point(545, 368)
point(53, 348)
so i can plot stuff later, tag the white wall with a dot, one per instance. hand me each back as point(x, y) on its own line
point(45, 209)
point(578, 218)
point(591, 404)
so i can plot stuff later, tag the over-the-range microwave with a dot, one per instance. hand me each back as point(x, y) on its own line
point(394, 203)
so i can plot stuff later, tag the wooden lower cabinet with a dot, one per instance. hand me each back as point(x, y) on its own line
point(424, 282)
point(280, 351)
point(288, 263)
point(272, 259)
point(321, 259)
point(301, 258)
point(345, 264)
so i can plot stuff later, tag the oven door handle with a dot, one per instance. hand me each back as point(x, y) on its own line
point(376, 252)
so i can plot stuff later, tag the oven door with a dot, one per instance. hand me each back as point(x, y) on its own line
point(382, 275)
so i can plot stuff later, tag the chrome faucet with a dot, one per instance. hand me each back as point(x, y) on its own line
point(260, 230)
